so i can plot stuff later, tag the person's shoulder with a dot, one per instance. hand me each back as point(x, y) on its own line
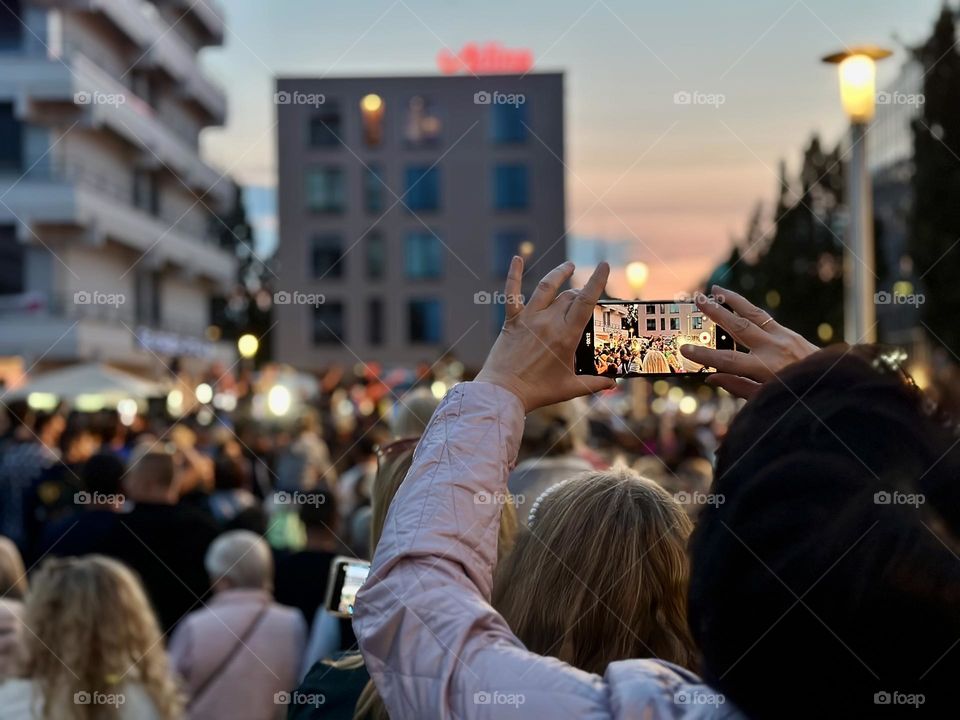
point(339, 687)
point(137, 703)
point(16, 697)
point(668, 690)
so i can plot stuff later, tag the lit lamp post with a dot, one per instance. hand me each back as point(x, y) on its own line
point(637, 273)
point(857, 70)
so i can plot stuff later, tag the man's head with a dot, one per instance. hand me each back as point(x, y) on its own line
point(828, 574)
point(239, 560)
point(151, 477)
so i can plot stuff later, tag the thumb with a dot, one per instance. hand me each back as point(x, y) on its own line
point(588, 384)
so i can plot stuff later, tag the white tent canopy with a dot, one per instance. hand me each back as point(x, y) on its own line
point(89, 380)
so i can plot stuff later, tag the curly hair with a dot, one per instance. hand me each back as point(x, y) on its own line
point(92, 629)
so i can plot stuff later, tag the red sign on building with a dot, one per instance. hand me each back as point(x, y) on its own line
point(488, 59)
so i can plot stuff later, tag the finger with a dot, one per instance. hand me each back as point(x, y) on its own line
point(565, 300)
point(745, 308)
point(727, 361)
point(742, 329)
point(579, 385)
point(735, 385)
point(513, 287)
point(549, 286)
point(579, 313)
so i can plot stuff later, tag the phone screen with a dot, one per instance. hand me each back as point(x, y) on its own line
point(346, 577)
point(635, 339)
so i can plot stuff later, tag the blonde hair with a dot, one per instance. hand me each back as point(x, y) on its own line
point(601, 575)
point(13, 576)
point(389, 477)
point(92, 628)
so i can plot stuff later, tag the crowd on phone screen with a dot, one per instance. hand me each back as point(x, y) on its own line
point(624, 354)
point(182, 572)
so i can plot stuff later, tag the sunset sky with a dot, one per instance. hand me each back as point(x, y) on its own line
point(677, 180)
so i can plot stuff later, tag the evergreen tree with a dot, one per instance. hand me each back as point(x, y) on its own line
point(934, 239)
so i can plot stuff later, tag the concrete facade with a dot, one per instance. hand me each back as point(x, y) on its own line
point(106, 207)
point(411, 265)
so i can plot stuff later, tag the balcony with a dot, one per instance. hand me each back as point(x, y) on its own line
point(33, 82)
point(160, 45)
point(207, 13)
point(75, 197)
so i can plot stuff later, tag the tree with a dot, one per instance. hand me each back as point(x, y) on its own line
point(246, 308)
point(793, 269)
point(934, 238)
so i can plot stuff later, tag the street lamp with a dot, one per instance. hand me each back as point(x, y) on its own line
point(857, 72)
point(637, 273)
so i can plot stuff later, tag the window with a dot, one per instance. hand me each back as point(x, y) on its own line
point(663, 323)
point(697, 322)
point(11, 261)
point(373, 188)
point(325, 191)
point(324, 128)
point(10, 25)
point(423, 126)
point(506, 244)
point(422, 188)
point(675, 323)
point(146, 192)
point(11, 132)
point(674, 308)
point(326, 256)
point(424, 258)
point(375, 321)
point(424, 321)
point(376, 255)
point(510, 187)
point(651, 324)
point(508, 123)
point(328, 323)
point(147, 289)
point(371, 114)
point(651, 309)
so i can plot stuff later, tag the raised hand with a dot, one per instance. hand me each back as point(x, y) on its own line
point(534, 355)
point(772, 346)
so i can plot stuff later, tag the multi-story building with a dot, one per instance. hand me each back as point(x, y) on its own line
point(108, 245)
point(401, 202)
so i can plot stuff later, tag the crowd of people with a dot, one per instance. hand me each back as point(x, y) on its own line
point(540, 547)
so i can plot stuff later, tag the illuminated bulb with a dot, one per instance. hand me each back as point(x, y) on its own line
point(688, 405)
point(279, 400)
point(371, 103)
point(247, 345)
point(175, 402)
point(204, 393)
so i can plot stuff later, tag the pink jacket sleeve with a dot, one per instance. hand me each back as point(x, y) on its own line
point(431, 641)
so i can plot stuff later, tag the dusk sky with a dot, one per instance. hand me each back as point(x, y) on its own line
point(677, 180)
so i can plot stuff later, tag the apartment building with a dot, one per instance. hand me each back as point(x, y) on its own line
point(108, 246)
point(401, 202)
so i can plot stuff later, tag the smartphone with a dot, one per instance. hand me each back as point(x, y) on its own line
point(346, 576)
point(629, 338)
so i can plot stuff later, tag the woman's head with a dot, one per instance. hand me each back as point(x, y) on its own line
point(601, 574)
point(91, 630)
point(832, 562)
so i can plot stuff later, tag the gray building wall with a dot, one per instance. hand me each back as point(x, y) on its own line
point(466, 220)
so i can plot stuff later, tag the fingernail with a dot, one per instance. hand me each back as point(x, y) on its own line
point(690, 350)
